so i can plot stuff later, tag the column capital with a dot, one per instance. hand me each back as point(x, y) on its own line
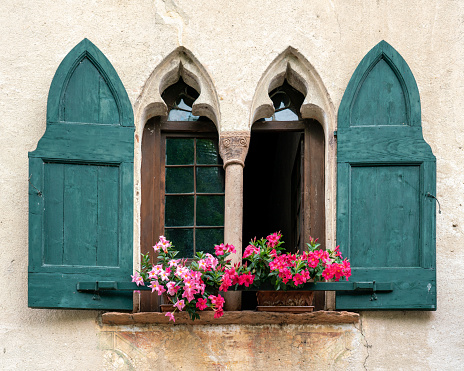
point(233, 147)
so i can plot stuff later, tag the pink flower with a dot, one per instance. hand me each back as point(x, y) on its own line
point(250, 249)
point(285, 274)
point(137, 279)
point(246, 279)
point(172, 288)
point(232, 275)
point(326, 258)
point(226, 283)
point(346, 268)
point(162, 244)
point(211, 262)
point(181, 272)
point(218, 313)
point(164, 276)
point(328, 272)
point(219, 249)
point(180, 305)
point(189, 293)
point(273, 239)
point(155, 286)
point(230, 248)
point(313, 261)
point(202, 265)
point(171, 316)
point(217, 301)
point(202, 304)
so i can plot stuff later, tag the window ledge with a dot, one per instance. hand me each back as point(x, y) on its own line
point(232, 318)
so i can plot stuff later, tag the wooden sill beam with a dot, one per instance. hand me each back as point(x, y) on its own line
point(231, 318)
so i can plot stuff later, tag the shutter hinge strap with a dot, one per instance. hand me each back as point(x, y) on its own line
point(355, 287)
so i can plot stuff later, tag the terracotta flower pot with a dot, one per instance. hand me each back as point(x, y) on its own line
point(285, 301)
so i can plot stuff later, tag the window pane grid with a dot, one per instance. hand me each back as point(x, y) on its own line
point(208, 184)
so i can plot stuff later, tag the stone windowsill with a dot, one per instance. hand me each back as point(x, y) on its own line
point(232, 318)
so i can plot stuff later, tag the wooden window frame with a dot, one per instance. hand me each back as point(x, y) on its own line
point(153, 182)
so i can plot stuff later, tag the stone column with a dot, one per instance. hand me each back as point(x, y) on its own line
point(233, 147)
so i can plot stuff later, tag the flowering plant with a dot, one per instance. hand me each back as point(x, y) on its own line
point(264, 258)
point(191, 287)
point(196, 286)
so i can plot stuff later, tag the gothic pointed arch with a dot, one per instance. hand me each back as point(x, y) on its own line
point(383, 74)
point(180, 63)
point(292, 66)
point(86, 88)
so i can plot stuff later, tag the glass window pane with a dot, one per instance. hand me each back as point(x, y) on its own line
point(210, 180)
point(179, 151)
point(179, 180)
point(182, 239)
point(206, 239)
point(210, 210)
point(286, 115)
point(180, 115)
point(179, 211)
point(207, 152)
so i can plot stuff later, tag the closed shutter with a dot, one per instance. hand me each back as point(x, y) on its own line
point(386, 185)
point(81, 187)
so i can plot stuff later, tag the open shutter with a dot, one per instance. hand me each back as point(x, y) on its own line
point(385, 186)
point(81, 187)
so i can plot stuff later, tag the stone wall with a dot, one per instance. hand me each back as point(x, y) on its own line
point(235, 42)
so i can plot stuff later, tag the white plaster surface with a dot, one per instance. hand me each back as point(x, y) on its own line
point(235, 42)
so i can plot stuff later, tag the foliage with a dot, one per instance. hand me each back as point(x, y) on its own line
point(264, 258)
point(195, 287)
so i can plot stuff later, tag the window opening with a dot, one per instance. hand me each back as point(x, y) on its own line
point(182, 177)
point(283, 181)
point(287, 101)
point(179, 99)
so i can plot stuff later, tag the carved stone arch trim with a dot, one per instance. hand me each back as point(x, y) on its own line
point(301, 74)
point(180, 63)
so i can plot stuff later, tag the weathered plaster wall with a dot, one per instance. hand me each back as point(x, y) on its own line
point(239, 348)
point(235, 41)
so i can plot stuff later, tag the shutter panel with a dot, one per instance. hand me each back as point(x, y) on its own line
point(386, 177)
point(81, 187)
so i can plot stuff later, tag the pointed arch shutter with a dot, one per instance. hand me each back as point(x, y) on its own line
point(81, 187)
point(386, 177)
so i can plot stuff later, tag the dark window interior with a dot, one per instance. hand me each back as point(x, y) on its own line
point(272, 187)
point(283, 181)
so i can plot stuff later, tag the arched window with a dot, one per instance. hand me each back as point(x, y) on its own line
point(182, 177)
point(284, 174)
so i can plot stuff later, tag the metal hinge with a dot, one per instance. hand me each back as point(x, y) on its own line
point(355, 287)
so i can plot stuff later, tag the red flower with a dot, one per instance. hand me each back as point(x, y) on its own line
point(246, 279)
point(219, 249)
point(273, 239)
point(202, 304)
point(218, 313)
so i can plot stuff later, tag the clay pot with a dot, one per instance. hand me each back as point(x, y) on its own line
point(285, 301)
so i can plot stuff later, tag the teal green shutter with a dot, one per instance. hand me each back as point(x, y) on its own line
point(81, 187)
point(386, 178)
